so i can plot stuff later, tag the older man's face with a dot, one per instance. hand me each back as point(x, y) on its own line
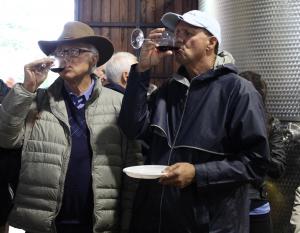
point(193, 42)
point(79, 60)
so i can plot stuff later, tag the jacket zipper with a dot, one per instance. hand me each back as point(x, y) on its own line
point(92, 162)
point(169, 159)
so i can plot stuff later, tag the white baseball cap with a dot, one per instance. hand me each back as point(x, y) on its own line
point(196, 18)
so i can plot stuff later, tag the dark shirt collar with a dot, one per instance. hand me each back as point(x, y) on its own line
point(115, 87)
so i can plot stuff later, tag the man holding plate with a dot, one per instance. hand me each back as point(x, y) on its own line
point(205, 123)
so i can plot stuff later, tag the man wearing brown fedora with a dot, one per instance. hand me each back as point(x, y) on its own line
point(73, 150)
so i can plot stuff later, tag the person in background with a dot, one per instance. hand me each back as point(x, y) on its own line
point(5, 199)
point(71, 178)
point(260, 218)
point(295, 217)
point(206, 124)
point(9, 172)
point(10, 82)
point(151, 89)
point(100, 73)
point(4, 89)
point(117, 70)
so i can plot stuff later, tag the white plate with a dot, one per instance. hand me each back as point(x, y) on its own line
point(145, 171)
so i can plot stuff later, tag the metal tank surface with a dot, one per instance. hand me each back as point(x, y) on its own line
point(264, 36)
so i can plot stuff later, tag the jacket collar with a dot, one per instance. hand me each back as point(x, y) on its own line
point(56, 99)
point(181, 75)
point(56, 88)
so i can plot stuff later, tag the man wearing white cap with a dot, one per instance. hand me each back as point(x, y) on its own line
point(205, 123)
point(73, 150)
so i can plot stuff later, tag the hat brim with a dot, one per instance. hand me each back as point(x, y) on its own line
point(102, 44)
point(170, 20)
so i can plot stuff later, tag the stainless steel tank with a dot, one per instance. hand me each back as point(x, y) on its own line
point(264, 36)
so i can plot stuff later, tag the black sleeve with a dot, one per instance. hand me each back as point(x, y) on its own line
point(277, 150)
point(134, 114)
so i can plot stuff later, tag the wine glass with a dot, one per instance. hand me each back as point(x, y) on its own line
point(58, 64)
point(137, 38)
point(164, 43)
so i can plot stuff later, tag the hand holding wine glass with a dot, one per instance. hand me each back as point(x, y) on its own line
point(36, 72)
point(158, 44)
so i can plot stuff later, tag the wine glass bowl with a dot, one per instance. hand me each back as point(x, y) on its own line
point(164, 43)
point(137, 38)
point(58, 64)
point(167, 42)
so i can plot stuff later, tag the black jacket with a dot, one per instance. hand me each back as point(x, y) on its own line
point(217, 124)
point(277, 150)
point(10, 162)
point(277, 163)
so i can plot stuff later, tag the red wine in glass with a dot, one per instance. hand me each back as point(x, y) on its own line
point(164, 48)
point(58, 64)
point(167, 42)
point(57, 69)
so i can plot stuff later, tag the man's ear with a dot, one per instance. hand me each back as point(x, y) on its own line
point(95, 59)
point(212, 43)
point(124, 78)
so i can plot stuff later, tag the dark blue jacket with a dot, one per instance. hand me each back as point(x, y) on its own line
point(216, 123)
point(115, 87)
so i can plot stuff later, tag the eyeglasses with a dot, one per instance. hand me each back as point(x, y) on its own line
point(73, 52)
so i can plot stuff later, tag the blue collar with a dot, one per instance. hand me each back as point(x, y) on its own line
point(79, 101)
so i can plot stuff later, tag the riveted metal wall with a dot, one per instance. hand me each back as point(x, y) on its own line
point(264, 36)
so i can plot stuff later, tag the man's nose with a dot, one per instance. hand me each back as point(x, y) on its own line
point(67, 58)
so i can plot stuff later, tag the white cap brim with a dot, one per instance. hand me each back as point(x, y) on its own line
point(170, 20)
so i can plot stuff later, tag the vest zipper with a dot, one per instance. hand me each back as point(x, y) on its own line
point(61, 181)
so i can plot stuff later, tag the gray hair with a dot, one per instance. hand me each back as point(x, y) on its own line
point(95, 52)
point(120, 62)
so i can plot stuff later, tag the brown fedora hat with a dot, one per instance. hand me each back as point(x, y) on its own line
point(76, 31)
